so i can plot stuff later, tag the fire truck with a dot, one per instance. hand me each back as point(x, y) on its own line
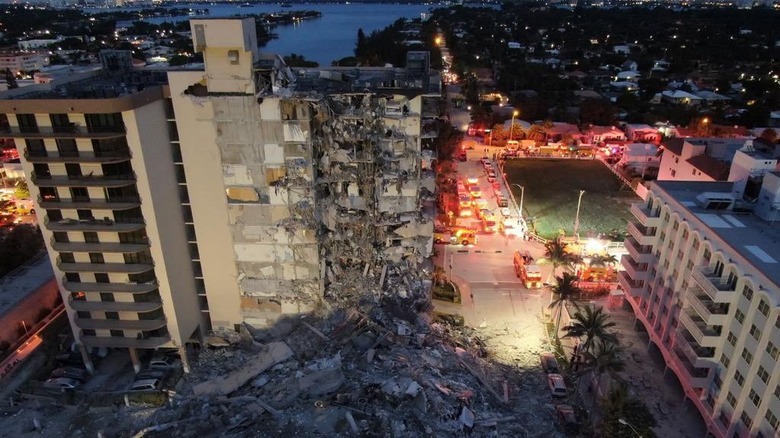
point(527, 270)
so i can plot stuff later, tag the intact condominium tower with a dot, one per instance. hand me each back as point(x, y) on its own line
point(703, 277)
point(232, 193)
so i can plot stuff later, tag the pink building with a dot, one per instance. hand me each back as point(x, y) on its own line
point(642, 133)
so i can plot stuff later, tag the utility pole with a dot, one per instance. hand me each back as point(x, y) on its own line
point(577, 218)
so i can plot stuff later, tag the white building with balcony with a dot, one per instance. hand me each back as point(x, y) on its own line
point(702, 274)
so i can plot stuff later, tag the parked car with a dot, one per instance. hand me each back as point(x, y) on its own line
point(472, 180)
point(61, 383)
point(557, 385)
point(163, 361)
point(74, 373)
point(146, 385)
point(496, 185)
point(502, 201)
point(485, 159)
point(505, 211)
point(567, 417)
point(549, 364)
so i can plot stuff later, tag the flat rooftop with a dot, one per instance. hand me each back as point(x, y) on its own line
point(756, 240)
point(92, 85)
point(24, 280)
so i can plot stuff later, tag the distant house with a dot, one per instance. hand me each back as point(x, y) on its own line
point(559, 130)
point(628, 75)
point(629, 66)
point(603, 134)
point(699, 159)
point(679, 97)
point(642, 133)
point(640, 157)
point(514, 45)
point(622, 49)
point(712, 97)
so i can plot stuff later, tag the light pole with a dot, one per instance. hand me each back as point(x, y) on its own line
point(512, 127)
point(577, 218)
point(520, 209)
point(626, 423)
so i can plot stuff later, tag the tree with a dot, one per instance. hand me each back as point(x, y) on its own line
point(360, 47)
point(564, 293)
point(295, 60)
point(597, 112)
point(10, 79)
point(618, 405)
point(602, 261)
point(177, 60)
point(21, 191)
point(593, 325)
point(769, 135)
point(447, 142)
point(555, 253)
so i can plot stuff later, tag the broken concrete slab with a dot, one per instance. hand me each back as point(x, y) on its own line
point(273, 354)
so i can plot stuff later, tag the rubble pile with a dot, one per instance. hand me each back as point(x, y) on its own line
point(345, 376)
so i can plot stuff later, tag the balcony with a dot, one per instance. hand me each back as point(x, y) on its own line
point(636, 271)
point(117, 342)
point(705, 335)
point(644, 236)
point(699, 357)
point(119, 324)
point(719, 291)
point(123, 268)
point(639, 253)
point(114, 306)
point(115, 247)
point(690, 375)
point(71, 131)
point(711, 312)
point(124, 203)
point(130, 288)
point(92, 225)
point(107, 181)
point(106, 157)
point(644, 216)
point(635, 289)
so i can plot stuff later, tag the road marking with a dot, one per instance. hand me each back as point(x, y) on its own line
point(492, 285)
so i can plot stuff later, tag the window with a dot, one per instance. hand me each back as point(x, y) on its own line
point(725, 360)
point(27, 122)
point(689, 265)
point(696, 244)
point(777, 391)
point(67, 257)
point(739, 378)
point(773, 350)
point(684, 285)
point(60, 236)
point(732, 339)
point(675, 225)
point(747, 292)
point(685, 235)
point(748, 356)
point(96, 257)
point(101, 277)
point(755, 332)
point(731, 399)
point(754, 397)
point(772, 419)
point(679, 254)
point(763, 307)
point(91, 237)
point(746, 420)
point(777, 322)
point(707, 255)
point(85, 214)
point(739, 316)
point(763, 374)
point(107, 297)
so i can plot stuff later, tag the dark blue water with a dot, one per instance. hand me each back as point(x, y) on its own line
point(323, 40)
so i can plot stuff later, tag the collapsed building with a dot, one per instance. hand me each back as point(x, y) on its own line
point(232, 193)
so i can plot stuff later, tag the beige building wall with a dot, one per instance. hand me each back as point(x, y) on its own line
point(152, 162)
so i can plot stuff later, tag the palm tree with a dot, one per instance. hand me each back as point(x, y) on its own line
point(564, 293)
point(555, 253)
point(594, 325)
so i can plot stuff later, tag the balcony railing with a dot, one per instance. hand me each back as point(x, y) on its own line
point(71, 131)
point(119, 324)
point(48, 156)
point(117, 342)
point(645, 216)
point(636, 271)
point(718, 290)
point(643, 235)
point(115, 203)
point(117, 247)
point(640, 253)
point(114, 306)
point(124, 268)
point(705, 335)
point(109, 181)
point(712, 313)
point(698, 356)
point(635, 289)
point(92, 225)
point(695, 377)
point(129, 288)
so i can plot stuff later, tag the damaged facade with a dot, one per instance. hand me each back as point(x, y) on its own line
point(204, 199)
point(323, 176)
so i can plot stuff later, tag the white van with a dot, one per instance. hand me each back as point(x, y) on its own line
point(146, 385)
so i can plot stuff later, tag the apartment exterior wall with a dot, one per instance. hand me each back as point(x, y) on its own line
point(677, 167)
point(699, 301)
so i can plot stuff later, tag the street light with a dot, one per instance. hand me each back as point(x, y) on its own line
point(626, 423)
point(512, 128)
point(522, 194)
point(577, 218)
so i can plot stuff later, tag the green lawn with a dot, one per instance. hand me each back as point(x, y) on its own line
point(551, 190)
